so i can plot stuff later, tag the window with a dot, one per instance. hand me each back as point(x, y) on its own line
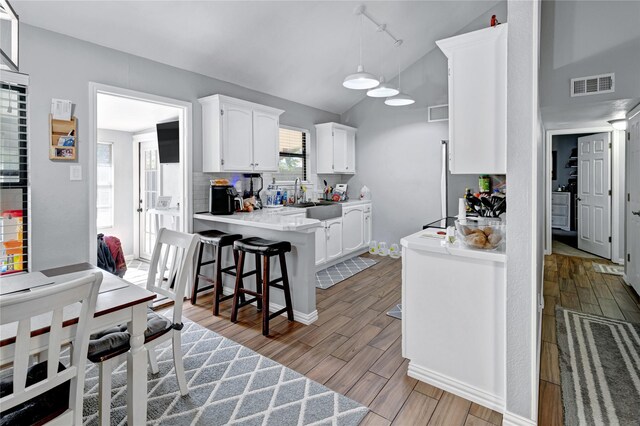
point(105, 185)
point(14, 182)
point(293, 155)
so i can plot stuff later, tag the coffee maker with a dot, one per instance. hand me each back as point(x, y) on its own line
point(223, 199)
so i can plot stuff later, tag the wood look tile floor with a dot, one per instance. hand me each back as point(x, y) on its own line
point(572, 283)
point(353, 348)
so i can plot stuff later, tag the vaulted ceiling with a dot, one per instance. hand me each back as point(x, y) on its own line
point(296, 50)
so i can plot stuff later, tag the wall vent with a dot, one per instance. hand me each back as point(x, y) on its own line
point(593, 85)
point(438, 113)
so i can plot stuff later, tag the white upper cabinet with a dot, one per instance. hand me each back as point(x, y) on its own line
point(239, 136)
point(477, 101)
point(266, 130)
point(336, 148)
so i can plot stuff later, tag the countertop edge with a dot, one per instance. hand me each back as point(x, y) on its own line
point(255, 224)
point(416, 242)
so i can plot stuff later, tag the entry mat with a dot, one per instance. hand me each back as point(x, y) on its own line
point(608, 269)
point(334, 274)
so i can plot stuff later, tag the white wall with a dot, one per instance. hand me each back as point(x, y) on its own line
point(525, 172)
point(398, 151)
point(123, 208)
point(60, 208)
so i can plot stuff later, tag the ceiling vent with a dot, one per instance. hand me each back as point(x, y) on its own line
point(438, 113)
point(593, 85)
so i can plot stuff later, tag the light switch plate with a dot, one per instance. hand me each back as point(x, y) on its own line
point(75, 172)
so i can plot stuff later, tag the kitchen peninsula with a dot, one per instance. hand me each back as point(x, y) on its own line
point(286, 224)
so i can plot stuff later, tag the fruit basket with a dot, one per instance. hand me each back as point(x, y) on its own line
point(481, 234)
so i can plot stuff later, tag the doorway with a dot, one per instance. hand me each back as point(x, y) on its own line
point(579, 189)
point(632, 211)
point(126, 201)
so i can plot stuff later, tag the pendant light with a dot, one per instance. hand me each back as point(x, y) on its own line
point(383, 90)
point(360, 80)
point(401, 99)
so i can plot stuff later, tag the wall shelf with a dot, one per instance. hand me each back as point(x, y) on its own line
point(63, 141)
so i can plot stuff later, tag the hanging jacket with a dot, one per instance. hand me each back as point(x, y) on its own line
point(105, 258)
point(115, 247)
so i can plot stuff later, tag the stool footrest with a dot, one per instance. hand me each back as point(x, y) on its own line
point(247, 302)
point(231, 270)
point(277, 313)
point(281, 287)
point(209, 287)
point(277, 280)
point(244, 275)
point(249, 292)
point(208, 262)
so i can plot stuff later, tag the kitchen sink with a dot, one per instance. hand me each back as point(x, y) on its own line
point(312, 204)
point(324, 211)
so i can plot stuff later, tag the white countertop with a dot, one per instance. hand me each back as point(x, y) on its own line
point(418, 242)
point(274, 219)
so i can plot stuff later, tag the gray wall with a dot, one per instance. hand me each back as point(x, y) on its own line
point(60, 208)
point(525, 171)
point(582, 38)
point(398, 151)
point(123, 187)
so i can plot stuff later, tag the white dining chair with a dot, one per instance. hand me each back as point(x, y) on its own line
point(174, 252)
point(47, 392)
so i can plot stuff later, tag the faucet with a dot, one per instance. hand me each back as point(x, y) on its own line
point(296, 186)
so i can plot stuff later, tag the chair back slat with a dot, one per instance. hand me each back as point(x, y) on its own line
point(177, 248)
point(21, 363)
point(49, 302)
point(55, 340)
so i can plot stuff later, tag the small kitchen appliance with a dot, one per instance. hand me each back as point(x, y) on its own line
point(222, 199)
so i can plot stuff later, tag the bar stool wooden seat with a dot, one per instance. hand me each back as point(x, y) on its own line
point(267, 249)
point(218, 240)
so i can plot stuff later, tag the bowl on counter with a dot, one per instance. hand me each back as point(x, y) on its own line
point(481, 234)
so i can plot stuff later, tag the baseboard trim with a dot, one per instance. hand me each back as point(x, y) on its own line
point(512, 419)
point(129, 257)
point(298, 316)
point(456, 387)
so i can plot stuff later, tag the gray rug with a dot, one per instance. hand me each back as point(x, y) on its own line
point(228, 384)
point(599, 369)
point(341, 271)
point(396, 312)
point(608, 269)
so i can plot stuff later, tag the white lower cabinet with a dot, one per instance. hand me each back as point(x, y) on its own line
point(353, 228)
point(367, 227)
point(334, 238)
point(321, 244)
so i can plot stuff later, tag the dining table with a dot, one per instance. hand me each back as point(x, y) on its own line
point(118, 302)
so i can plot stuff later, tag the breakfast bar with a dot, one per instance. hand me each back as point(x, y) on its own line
point(283, 224)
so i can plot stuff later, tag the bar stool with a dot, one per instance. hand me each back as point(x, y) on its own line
point(267, 249)
point(218, 240)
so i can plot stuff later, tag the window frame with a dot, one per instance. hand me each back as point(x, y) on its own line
point(20, 84)
point(112, 187)
point(304, 156)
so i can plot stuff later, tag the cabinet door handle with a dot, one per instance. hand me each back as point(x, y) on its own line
point(636, 213)
point(256, 164)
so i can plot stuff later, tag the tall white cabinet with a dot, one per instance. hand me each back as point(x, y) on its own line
point(336, 148)
point(477, 101)
point(239, 136)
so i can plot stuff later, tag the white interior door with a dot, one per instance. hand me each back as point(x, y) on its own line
point(149, 191)
point(594, 201)
point(633, 204)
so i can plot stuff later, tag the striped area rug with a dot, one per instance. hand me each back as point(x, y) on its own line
point(599, 369)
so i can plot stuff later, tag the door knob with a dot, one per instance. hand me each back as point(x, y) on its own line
point(579, 199)
point(139, 210)
point(636, 213)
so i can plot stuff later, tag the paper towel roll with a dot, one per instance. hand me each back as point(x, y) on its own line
point(462, 208)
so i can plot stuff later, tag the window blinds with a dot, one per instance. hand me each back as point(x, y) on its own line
point(14, 183)
point(293, 155)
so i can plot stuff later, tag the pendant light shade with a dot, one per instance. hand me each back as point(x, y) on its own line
point(401, 99)
point(383, 90)
point(360, 80)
